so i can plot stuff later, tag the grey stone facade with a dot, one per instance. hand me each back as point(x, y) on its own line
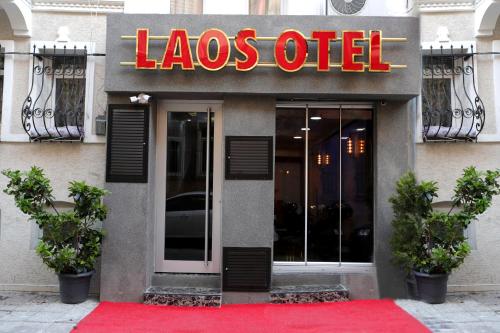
point(249, 109)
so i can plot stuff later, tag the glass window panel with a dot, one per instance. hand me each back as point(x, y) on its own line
point(186, 6)
point(265, 7)
point(436, 101)
point(357, 186)
point(225, 7)
point(339, 185)
point(70, 102)
point(437, 90)
point(186, 186)
point(289, 185)
point(323, 185)
point(301, 7)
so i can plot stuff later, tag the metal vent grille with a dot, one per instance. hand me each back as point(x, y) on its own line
point(127, 146)
point(249, 157)
point(246, 269)
point(348, 7)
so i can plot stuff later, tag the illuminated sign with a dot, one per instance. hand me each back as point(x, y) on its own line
point(242, 52)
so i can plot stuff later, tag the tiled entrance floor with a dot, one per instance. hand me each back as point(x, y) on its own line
point(25, 312)
point(462, 313)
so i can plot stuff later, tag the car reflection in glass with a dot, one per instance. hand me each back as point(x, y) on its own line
point(185, 215)
point(185, 226)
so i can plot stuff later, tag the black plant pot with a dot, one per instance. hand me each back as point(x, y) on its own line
point(74, 288)
point(411, 287)
point(432, 288)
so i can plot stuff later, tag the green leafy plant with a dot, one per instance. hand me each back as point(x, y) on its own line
point(433, 242)
point(70, 243)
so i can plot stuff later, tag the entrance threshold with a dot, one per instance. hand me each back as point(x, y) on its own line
point(321, 267)
point(325, 105)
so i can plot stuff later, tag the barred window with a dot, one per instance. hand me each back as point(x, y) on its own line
point(70, 92)
point(55, 106)
point(439, 107)
point(451, 106)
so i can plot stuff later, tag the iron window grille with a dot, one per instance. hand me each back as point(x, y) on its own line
point(54, 109)
point(452, 109)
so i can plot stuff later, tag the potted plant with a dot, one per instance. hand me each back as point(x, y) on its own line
point(411, 205)
point(429, 244)
point(70, 242)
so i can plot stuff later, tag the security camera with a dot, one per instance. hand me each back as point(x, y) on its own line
point(140, 99)
point(143, 98)
point(383, 103)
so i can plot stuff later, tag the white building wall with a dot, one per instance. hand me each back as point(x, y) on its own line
point(21, 268)
point(444, 162)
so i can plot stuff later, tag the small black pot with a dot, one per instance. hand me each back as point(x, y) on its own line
point(432, 288)
point(74, 288)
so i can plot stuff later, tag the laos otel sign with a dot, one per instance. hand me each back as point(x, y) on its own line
point(245, 55)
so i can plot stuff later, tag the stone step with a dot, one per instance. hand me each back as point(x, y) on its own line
point(180, 280)
point(188, 296)
point(304, 278)
point(309, 294)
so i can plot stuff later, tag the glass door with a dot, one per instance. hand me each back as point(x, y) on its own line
point(323, 184)
point(188, 188)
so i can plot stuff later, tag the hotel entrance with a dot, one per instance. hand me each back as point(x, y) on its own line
point(250, 193)
point(188, 187)
point(323, 184)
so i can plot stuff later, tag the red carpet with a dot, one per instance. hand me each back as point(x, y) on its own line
point(356, 316)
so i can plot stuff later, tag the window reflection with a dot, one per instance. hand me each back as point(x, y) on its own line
point(289, 186)
point(323, 185)
point(357, 187)
point(339, 185)
point(186, 191)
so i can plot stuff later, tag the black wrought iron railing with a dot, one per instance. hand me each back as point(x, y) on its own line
point(55, 106)
point(452, 109)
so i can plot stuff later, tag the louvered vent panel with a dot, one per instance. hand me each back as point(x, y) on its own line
point(246, 269)
point(249, 157)
point(127, 149)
